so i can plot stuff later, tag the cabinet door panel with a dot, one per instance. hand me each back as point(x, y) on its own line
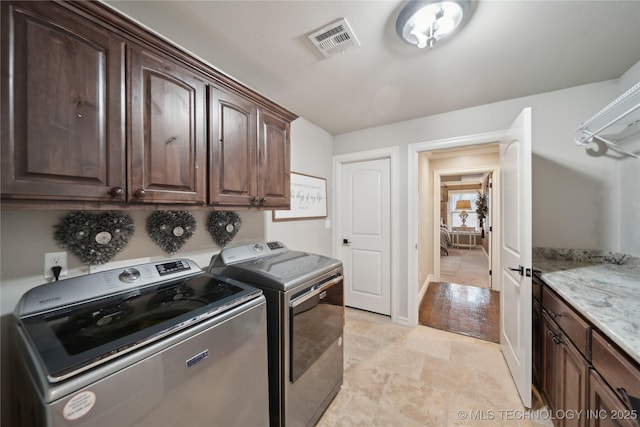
point(232, 143)
point(605, 409)
point(536, 347)
point(167, 131)
point(573, 383)
point(62, 120)
point(549, 361)
point(273, 162)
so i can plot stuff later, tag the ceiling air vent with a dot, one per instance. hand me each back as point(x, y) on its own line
point(334, 38)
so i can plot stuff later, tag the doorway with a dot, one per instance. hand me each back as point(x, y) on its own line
point(456, 184)
point(465, 228)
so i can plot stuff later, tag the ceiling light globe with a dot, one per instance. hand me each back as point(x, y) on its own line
point(433, 19)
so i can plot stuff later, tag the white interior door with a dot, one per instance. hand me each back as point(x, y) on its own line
point(366, 235)
point(515, 252)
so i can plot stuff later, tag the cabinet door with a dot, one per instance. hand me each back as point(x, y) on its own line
point(62, 106)
point(564, 376)
point(232, 144)
point(573, 376)
point(549, 342)
point(168, 146)
point(536, 348)
point(605, 409)
point(274, 187)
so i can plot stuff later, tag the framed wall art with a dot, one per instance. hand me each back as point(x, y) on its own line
point(308, 199)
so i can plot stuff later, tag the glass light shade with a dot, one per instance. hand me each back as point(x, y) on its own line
point(423, 23)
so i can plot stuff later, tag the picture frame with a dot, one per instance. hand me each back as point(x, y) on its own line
point(308, 199)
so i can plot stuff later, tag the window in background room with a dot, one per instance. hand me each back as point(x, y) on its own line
point(454, 215)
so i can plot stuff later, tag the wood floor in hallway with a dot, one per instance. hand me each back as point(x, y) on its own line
point(463, 309)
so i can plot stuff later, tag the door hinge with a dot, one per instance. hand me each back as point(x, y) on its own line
point(490, 272)
point(490, 229)
point(491, 185)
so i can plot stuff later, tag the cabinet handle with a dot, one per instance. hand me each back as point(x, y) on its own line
point(554, 315)
point(254, 200)
point(139, 192)
point(261, 201)
point(116, 191)
point(172, 139)
point(556, 339)
point(623, 393)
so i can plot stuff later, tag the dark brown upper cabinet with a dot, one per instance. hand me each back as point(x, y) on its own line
point(232, 145)
point(99, 113)
point(168, 131)
point(249, 149)
point(273, 162)
point(63, 135)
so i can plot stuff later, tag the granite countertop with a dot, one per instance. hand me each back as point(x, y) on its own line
point(605, 293)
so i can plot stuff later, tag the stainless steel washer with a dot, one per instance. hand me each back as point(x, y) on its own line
point(305, 320)
point(152, 345)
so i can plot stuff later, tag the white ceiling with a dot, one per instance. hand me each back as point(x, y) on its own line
point(508, 49)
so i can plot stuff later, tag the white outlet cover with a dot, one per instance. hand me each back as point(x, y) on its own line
point(55, 258)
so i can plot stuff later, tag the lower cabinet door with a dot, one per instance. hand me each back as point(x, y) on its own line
point(564, 376)
point(605, 408)
point(573, 377)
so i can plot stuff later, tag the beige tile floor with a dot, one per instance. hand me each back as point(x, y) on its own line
point(400, 376)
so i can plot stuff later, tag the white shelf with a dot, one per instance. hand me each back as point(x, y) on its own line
point(616, 124)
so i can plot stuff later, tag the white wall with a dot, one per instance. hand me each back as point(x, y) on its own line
point(629, 180)
point(573, 193)
point(426, 198)
point(310, 155)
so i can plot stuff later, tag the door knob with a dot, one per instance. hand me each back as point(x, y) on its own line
point(346, 242)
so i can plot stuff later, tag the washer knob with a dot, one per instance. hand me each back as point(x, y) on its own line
point(129, 275)
point(258, 247)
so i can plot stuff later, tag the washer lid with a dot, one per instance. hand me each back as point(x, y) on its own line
point(76, 338)
point(283, 270)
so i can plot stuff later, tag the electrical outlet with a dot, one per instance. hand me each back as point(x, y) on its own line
point(52, 259)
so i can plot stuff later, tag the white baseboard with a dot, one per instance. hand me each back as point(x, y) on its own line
point(423, 288)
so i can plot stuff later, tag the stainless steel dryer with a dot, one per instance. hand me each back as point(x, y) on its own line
point(158, 344)
point(305, 320)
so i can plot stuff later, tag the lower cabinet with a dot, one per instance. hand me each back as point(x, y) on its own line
point(565, 375)
point(605, 408)
point(589, 382)
point(536, 344)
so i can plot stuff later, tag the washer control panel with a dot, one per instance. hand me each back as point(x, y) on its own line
point(249, 252)
point(90, 286)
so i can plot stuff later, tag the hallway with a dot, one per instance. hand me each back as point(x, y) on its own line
point(463, 302)
point(465, 267)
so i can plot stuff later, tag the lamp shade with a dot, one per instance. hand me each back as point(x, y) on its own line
point(462, 205)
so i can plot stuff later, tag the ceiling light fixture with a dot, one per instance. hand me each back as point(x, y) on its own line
point(424, 22)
